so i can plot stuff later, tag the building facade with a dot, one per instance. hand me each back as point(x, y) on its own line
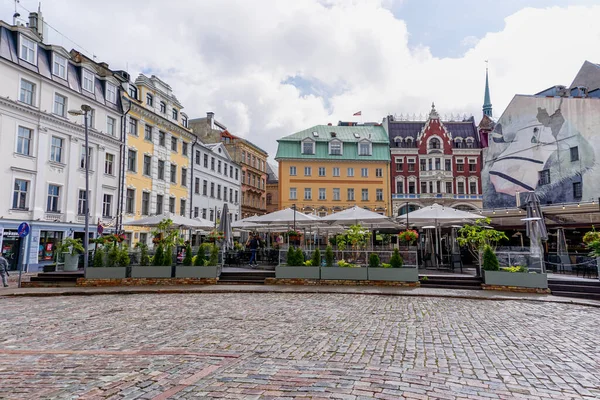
point(215, 182)
point(159, 148)
point(272, 188)
point(326, 169)
point(434, 162)
point(43, 146)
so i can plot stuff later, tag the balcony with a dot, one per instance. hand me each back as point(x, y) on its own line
point(54, 216)
point(401, 196)
point(436, 174)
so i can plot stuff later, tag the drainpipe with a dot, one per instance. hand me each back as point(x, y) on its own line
point(122, 170)
point(191, 187)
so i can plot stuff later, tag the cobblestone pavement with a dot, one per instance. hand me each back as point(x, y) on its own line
point(268, 346)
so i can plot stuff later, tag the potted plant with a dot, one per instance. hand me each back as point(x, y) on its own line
point(357, 237)
point(477, 237)
point(166, 238)
point(393, 271)
point(109, 262)
point(199, 266)
point(215, 236)
point(71, 249)
point(408, 236)
point(344, 271)
point(513, 276)
point(296, 267)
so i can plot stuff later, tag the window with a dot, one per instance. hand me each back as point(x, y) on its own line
point(159, 204)
point(430, 164)
point(469, 144)
point(574, 153)
point(473, 187)
point(28, 50)
point(131, 160)
point(219, 166)
point(212, 163)
point(82, 161)
point(399, 187)
point(364, 172)
point(173, 144)
point(236, 173)
point(460, 186)
point(173, 173)
point(182, 207)
point(307, 194)
point(184, 121)
point(321, 171)
point(111, 93)
point(161, 169)
point(175, 114)
point(269, 199)
point(197, 186)
point(205, 187)
point(350, 172)
point(109, 164)
point(448, 165)
point(184, 177)
point(364, 149)
point(143, 237)
point(60, 105)
point(148, 132)
point(308, 147)
point(224, 193)
point(399, 164)
point(56, 149)
point(212, 214)
point(336, 171)
point(133, 126)
point(412, 188)
point(184, 148)
point(472, 165)
point(147, 165)
point(59, 66)
point(411, 165)
point(434, 143)
point(145, 203)
point(129, 201)
point(231, 171)
point(460, 165)
point(322, 194)
point(24, 141)
point(577, 192)
point(107, 205)
point(27, 95)
point(438, 165)
point(336, 194)
point(88, 81)
point(133, 92)
point(292, 171)
point(206, 161)
point(236, 197)
point(204, 213)
point(231, 195)
point(448, 187)
point(53, 198)
point(307, 171)
point(379, 194)
point(197, 157)
point(544, 177)
point(225, 169)
point(163, 107)
point(111, 125)
point(149, 99)
point(219, 192)
point(212, 189)
point(365, 195)
point(161, 138)
point(91, 118)
point(243, 156)
point(335, 148)
point(196, 212)
point(350, 194)
point(423, 187)
point(172, 205)
point(81, 203)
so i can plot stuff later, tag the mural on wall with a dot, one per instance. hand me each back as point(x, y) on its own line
point(544, 144)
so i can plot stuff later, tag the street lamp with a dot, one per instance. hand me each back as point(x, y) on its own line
point(85, 109)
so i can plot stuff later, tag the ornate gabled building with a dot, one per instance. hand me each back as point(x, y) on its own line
point(272, 188)
point(434, 162)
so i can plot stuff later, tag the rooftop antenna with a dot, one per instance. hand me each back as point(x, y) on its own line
point(16, 14)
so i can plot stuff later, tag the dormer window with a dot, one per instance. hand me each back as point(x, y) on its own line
point(175, 114)
point(364, 148)
point(398, 141)
point(111, 93)
point(434, 143)
point(28, 50)
point(59, 66)
point(458, 143)
point(133, 92)
point(335, 148)
point(469, 143)
point(149, 99)
point(409, 142)
point(184, 122)
point(88, 81)
point(308, 147)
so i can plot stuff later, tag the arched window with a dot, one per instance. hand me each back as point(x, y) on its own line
point(409, 142)
point(403, 210)
point(469, 143)
point(458, 143)
point(434, 143)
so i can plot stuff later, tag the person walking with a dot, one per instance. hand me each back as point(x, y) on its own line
point(4, 270)
point(253, 244)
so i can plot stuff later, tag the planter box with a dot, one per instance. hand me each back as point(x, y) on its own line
point(182, 271)
point(344, 273)
point(394, 274)
point(519, 279)
point(282, 272)
point(150, 272)
point(71, 262)
point(106, 273)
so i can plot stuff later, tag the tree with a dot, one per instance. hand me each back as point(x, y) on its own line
point(200, 256)
point(374, 261)
point(396, 260)
point(158, 256)
point(490, 261)
point(329, 256)
point(478, 236)
point(316, 258)
point(187, 260)
point(144, 259)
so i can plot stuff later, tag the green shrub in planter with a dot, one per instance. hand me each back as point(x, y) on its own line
point(98, 259)
point(144, 258)
point(168, 257)
point(329, 256)
point(396, 260)
point(374, 261)
point(123, 258)
point(214, 256)
point(386, 265)
point(490, 261)
point(158, 256)
point(514, 268)
point(200, 256)
point(316, 258)
point(112, 256)
point(187, 260)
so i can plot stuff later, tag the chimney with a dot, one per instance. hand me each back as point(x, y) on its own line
point(36, 23)
point(210, 117)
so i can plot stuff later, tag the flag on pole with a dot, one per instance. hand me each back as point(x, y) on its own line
point(357, 113)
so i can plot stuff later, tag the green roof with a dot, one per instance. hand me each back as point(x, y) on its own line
point(290, 147)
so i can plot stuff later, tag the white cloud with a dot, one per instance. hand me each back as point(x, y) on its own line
point(234, 58)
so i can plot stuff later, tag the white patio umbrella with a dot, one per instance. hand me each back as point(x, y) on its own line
point(178, 222)
point(356, 215)
point(286, 216)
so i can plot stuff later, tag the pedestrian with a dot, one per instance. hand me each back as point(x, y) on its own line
point(4, 270)
point(253, 244)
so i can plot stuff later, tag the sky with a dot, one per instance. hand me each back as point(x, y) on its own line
point(269, 68)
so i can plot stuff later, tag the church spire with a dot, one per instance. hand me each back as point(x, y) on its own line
point(487, 102)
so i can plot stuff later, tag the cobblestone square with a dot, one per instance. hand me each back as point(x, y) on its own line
point(284, 346)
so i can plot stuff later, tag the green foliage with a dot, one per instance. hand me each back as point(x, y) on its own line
point(490, 261)
point(166, 235)
point(316, 258)
point(396, 260)
point(70, 246)
point(295, 257)
point(308, 263)
point(332, 240)
point(167, 260)
point(144, 258)
point(386, 265)
point(476, 237)
point(514, 268)
point(214, 256)
point(344, 264)
point(423, 278)
point(386, 239)
point(158, 256)
point(357, 237)
point(112, 255)
point(374, 261)
point(329, 256)
point(341, 242)
point(200, 256)
point(122, 258)
point(98, 259)
point(187, 260)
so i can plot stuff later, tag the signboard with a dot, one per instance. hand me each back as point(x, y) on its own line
point(23, 229)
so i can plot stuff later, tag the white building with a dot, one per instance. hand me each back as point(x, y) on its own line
point(215, 182)
point(42, 146)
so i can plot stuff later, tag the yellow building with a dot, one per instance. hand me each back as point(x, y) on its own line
point(157, 160)
point(326, 169)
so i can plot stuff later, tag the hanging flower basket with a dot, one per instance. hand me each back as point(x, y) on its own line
point(408, 236)
point(215, 236)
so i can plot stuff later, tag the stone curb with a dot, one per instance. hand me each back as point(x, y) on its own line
point(272, 289)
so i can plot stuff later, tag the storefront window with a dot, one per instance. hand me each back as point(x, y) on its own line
point(48, 242)
point(10, 248)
